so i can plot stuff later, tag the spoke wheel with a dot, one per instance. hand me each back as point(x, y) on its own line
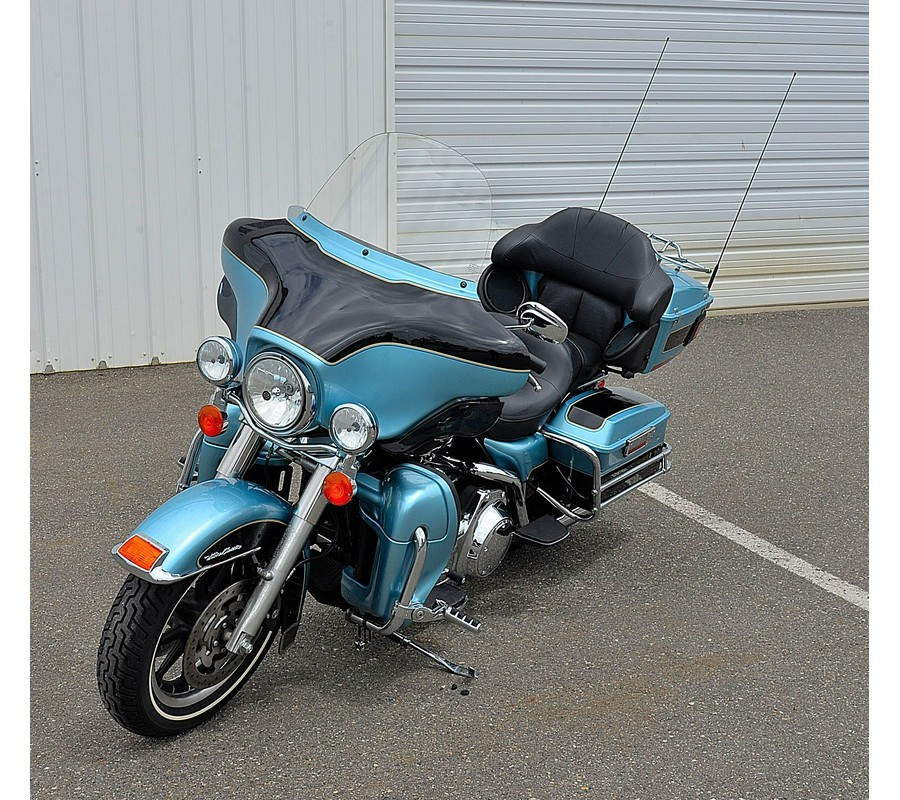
point(162, 665)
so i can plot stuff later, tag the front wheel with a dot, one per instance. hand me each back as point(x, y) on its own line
point(162, 666)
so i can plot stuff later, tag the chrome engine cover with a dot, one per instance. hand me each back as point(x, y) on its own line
point(484, 534)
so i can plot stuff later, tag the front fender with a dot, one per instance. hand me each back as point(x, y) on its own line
point(207, 524)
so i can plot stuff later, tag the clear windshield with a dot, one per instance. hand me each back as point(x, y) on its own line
point(414, 197)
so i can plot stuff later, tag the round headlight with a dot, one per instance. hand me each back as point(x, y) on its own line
point(218, 360)
point(277, 394)
point(353, 428)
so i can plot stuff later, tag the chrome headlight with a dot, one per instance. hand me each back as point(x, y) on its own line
point(218, 360)
point(353, 428)
point(278, 395)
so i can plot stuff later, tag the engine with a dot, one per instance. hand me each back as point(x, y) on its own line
point(484, 534)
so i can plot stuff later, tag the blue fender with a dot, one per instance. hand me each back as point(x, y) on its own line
point(206, 524)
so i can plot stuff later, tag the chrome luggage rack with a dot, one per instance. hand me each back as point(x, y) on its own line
point(679, 260)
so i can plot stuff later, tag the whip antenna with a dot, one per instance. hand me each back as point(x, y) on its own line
point(747, 191)
point(634, 123)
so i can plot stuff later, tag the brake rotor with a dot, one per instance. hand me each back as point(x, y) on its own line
point(206, 661)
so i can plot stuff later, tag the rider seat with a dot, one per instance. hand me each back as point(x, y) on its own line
point(525, 411)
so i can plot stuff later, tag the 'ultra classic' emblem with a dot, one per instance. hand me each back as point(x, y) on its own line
point(223, 552)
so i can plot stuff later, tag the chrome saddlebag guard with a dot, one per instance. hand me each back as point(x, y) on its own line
point(614, 435)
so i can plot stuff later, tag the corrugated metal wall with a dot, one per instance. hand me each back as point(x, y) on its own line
point(541, 96)
point(156, 124)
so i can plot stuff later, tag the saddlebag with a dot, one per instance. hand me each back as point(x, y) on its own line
point(624, 429)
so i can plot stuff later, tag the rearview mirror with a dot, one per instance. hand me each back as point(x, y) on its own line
point(540, 321)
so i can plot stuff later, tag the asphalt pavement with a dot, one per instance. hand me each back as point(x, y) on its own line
point(646, 657)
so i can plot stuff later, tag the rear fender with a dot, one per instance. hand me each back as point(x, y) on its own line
point(208, 524)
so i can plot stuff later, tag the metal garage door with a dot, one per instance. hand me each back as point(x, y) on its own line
point(541, 96)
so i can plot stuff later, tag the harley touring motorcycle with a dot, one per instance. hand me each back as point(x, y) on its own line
point(382, 432)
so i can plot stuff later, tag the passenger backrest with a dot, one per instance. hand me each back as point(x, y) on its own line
point(595, 251)
point(594, 266)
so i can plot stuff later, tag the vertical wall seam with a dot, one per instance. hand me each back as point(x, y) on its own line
point(195, 169)
point(37, 303)
point(142, 170)
point(345, 77)
point(89, 206)
point(245, 116)
point(293, 84)
point(390, 67)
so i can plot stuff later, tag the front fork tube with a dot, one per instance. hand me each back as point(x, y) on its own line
point(237, 460)
point(241, 453)
point(309, 508)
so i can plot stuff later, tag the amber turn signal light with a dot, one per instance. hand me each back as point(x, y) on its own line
point(211, 420)
point(138, 551)
point(338, 488)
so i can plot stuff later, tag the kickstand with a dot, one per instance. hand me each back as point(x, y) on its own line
point(456, 669)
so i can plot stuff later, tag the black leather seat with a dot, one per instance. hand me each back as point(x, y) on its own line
point(525, 411)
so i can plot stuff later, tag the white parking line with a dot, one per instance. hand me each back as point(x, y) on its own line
point(784, 559)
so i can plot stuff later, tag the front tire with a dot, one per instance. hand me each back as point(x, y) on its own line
point(162, 666)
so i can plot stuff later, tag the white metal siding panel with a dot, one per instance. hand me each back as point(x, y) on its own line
point(156, 124)
point(541, 96)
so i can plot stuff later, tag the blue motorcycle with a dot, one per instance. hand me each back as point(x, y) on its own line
point(381, 432)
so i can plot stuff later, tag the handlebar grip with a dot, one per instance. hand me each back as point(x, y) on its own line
point(538, 364)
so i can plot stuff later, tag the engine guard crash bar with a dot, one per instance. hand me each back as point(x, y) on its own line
point(188, 463)
point(569, 516)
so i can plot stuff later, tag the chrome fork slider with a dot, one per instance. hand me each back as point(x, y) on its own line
point(306, 514)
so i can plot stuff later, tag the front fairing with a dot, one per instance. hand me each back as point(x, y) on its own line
point(397, 347)
point(367, 325)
